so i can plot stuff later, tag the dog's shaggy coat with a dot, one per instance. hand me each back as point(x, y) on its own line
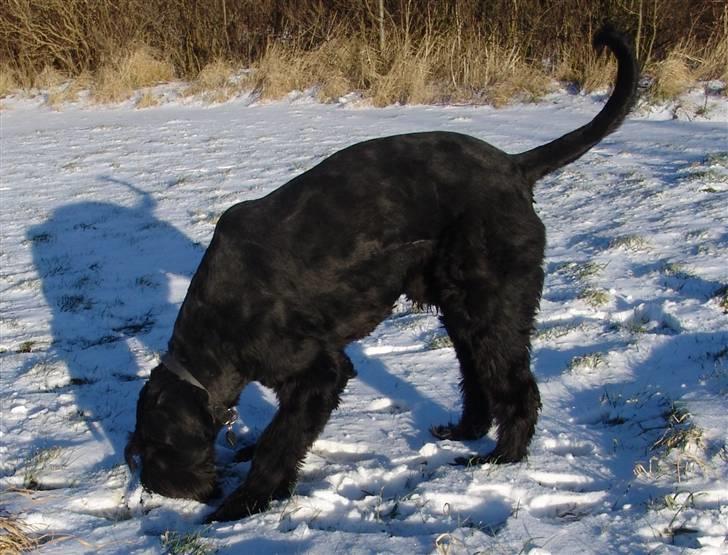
point(291, 279)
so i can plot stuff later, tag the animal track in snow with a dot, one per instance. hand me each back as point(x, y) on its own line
point(568, 448)
point(385, 404)
point(567, 506)
point(564, 480)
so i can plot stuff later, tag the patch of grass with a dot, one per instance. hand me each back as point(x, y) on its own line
point(712, 175)
point(555, 331)
point(26, 347)
point(81, 381)
point(68, 91)
point(54, 266)
point(722, 296)
point(48, 78)
point(37, 464)
point(147, 280)
point(439, 342)
point(589, 269)
point(680, 431)
point(581, 270)
point(717, 159)
point(8, 82)
point(635, 326)
point(74, 303)
point(443, 66)
point(594, 297)
point(631, 242)
point(676, 270)
point(147, 100)
point(142, 67)
point(679, 448)
point(192, 543)
point(44, 237)
point(136, 326)
point(675, 502)
point(672, 76)
point(590, 361)
point(215, 82)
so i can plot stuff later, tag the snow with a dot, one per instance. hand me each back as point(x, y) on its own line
point(106, 212)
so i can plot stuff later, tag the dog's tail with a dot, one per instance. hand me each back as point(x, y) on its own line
point(549, 157)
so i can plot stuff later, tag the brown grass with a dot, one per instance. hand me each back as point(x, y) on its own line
point(146, 100)
point(672, 76)
point(8, 82)
point(141, 67)
point(14, 536)
point(215, 82)
point(712, 62)
point(437, 68)
point(69, 90)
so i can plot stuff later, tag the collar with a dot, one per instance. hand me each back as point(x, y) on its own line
point(227, 416)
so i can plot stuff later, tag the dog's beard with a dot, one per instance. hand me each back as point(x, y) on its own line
point(174, 441)
point(171, 473)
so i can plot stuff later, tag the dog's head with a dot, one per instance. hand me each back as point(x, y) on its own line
point(174, 438)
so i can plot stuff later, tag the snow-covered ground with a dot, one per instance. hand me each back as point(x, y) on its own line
point(106, 212)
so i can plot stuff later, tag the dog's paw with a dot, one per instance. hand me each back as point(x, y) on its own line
point(490, 458)
point(472, 460)
point(237, 506)
point(245, 454)
point(458, 432)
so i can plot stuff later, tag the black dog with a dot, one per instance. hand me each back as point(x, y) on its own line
point(289, 280)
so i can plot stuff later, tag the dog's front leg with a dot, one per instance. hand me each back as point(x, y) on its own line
point(305, 404)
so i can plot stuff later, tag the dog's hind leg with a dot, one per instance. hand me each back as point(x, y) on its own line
point(490, 285)
point(305, 404)
point(494, 351)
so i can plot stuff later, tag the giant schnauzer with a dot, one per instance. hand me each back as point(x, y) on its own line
point(289, 280)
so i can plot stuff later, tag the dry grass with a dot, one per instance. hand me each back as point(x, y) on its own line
point(14, 536)
point(332, 68)
point(142, 67)
point(713, 55)
point(48, 78)
point(215, 82)
point(672, 76)
point(8, 82)
point(407, 78)
point(438, 68)
point(584, 67)
point(68, 91)
point(146, 100)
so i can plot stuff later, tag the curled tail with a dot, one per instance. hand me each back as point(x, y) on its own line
point(544, 159)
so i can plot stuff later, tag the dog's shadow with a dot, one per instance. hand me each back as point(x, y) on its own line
point(112, 277)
